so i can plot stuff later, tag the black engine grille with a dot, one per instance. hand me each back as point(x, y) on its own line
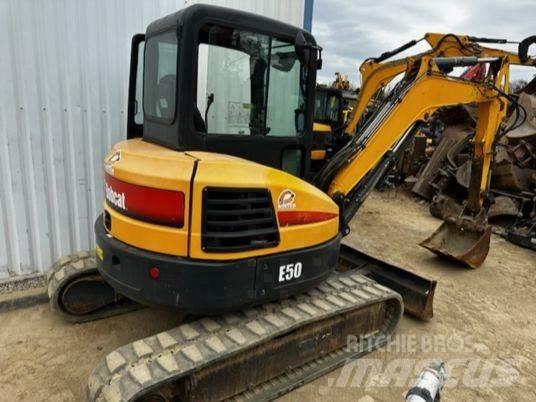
point(238, 219)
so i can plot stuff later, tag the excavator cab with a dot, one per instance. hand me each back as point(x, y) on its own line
point(328, 123)
point(207, 79)
point(329, 104)
point(208, 188)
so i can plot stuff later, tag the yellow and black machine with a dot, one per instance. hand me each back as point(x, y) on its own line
point(332, 110)
point(328, 124)
point(212, 209)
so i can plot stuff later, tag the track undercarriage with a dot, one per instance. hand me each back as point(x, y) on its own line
point(256, 354)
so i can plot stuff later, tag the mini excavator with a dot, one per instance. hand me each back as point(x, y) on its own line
point(211, 207)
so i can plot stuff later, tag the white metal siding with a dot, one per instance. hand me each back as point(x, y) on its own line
point(64, 77)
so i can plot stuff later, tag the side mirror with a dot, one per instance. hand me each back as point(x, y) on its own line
point(302, 48)
point(319, 60)
point(283, 61)
point(303, 51)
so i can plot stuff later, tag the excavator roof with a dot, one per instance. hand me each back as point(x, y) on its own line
point(200, 14)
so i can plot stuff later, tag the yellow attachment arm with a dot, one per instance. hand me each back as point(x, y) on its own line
point(376, 74)
point(416, 101)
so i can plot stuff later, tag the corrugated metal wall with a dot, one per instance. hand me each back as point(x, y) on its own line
point(64, 73)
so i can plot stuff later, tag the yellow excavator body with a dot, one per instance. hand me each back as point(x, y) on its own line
point(143, 164)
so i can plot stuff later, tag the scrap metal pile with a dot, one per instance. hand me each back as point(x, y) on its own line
point(438, 166)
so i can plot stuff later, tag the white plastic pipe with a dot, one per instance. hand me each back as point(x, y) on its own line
point(429, 384)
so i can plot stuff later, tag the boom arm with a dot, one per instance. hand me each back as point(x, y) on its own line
point(375, 73)
point(356, 168)
point(417, 102)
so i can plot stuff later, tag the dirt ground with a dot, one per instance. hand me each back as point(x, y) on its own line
point(484, 326)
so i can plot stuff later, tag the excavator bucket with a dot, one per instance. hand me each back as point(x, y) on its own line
point(458, 242)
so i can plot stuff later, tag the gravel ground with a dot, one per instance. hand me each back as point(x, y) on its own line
point(483, 327)
point(28, 282)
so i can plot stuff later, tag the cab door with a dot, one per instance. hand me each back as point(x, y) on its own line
point(252, 98)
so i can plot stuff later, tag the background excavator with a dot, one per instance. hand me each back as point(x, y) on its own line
point(212, 208)
point(333, 107)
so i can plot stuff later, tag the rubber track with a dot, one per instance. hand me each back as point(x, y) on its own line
point(147, 364)
point(73, 266)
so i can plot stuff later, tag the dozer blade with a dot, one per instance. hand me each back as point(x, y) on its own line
point(459, 242)
point(417, 291)
point(258, 354)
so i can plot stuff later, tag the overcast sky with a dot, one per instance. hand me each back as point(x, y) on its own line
point(352, 30)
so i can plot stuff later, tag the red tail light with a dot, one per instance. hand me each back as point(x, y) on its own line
point(163, 207)
point(154, 273)
point(291, 218)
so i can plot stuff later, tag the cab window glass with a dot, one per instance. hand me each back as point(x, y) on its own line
point(326, 107)
point(159, 90)
point(248, 84)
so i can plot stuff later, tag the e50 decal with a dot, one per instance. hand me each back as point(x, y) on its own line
point(289, 272)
